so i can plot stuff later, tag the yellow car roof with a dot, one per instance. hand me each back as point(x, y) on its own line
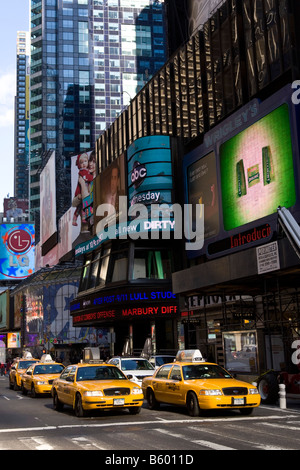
point(191, 363)
point(39, 363)
point(103, 364)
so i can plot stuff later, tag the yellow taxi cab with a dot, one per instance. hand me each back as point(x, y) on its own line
point(38, 377)
point(95, 385)
point(18, 368)
point(199, 386)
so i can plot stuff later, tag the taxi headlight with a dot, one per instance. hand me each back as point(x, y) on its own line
point(41, 382)
point(94, 393)
point(252, 391)
point(136, 390)
point(210, 392)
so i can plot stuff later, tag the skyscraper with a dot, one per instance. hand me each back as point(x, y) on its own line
point(88, 59)
point(21, 147)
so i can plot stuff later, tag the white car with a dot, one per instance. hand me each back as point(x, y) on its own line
point(135, 368)
point(161, 359)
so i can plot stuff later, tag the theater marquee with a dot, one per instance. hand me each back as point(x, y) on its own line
point(132, 303)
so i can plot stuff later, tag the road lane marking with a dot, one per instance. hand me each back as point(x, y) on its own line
point(266, 447)
point(41, 428)
point(141, 423)
point(212, 445)
point(36, 443)
point(166, 431)
point(222, 434)
point(85, 444)
point(281, 428)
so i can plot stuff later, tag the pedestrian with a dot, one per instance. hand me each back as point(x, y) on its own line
point(2, 368)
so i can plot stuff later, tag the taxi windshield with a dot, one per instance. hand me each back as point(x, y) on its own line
point(48, 369)
point(25, 364)
point(204, 371)
point(99, 373)
point(136, 364)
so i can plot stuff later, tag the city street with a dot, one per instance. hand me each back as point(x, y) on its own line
point(167, 434)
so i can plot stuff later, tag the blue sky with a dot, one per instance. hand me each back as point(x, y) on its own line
point(14, 17)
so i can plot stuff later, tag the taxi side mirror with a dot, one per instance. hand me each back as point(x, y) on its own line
point(129, 376)
point(70, 378)
point(176, 377)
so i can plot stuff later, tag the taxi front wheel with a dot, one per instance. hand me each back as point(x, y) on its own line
point(151, 400)
point(79, 411)
point(23, 389)
point(57, 404)
point(192, 404)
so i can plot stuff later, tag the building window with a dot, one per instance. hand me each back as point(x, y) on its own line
point(67, 36)
point(83, 37)
point(85, 274)
point(118, 267)
point(67, 24)
point(152, 264)
point(103, 267)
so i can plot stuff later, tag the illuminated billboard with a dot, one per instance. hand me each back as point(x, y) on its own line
point(245, 169)
point(108, 187)
point(4, 309)
point(83, 172)
point(14, 340)
point(203, 189)
point(150, 176)
point(257, 171)
point(16, 251)
point(48, 200)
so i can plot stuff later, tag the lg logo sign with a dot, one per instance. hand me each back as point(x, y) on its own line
point(18, 241)
point(138, 174)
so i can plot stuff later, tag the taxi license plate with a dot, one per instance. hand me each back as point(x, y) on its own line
point(119, 401)
point(238, 401)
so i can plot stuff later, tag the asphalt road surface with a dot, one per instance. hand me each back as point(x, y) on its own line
point(166, 436)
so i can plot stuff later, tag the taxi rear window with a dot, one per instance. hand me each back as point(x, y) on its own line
point(136, 364)
point(25, 364)
point(48, 369)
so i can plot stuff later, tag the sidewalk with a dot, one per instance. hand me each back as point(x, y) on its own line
point(293, 403)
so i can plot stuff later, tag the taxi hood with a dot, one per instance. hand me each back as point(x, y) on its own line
point(222, 383)
point(93, 385)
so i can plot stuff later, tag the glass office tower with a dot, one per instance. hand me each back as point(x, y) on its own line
point(21, 147)
point(88, 60)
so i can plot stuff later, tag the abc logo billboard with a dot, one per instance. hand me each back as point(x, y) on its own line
point(150, 175)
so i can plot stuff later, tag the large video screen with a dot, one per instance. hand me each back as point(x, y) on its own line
point(203, 189)
point(256, 168)
point(245, 169)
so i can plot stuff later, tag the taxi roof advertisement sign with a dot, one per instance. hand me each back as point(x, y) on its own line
point(17, 251)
